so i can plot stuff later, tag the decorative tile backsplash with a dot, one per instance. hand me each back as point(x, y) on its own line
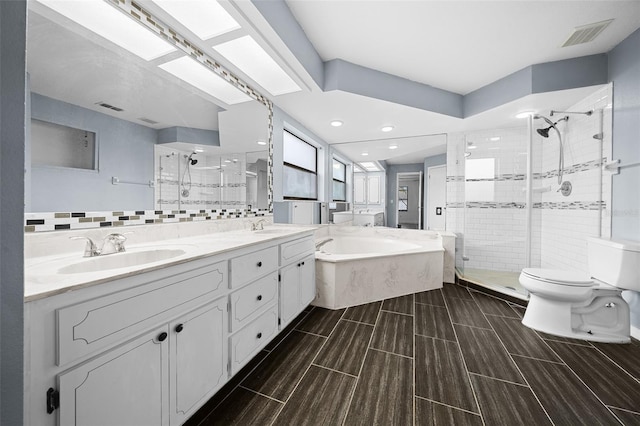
point(58, 221)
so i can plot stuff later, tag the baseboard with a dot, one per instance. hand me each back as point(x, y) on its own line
point(635, 332)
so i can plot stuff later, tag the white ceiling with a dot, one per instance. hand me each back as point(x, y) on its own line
point(458, 46)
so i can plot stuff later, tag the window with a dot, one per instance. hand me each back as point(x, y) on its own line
point(339, 181)
point(62, 146)
point(300, 169)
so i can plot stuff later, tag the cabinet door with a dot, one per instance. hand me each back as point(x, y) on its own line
point(289, 293)
point(307, 286)
point(125, 386)
point(198, 357)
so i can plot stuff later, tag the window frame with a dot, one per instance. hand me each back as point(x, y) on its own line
point(343, 182)
point(299, 168)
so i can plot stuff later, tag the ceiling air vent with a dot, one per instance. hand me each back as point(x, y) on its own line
point(106, 105)
point(147, 120)
point(585, 33)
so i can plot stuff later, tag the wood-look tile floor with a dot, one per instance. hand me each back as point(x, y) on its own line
point(442, 357)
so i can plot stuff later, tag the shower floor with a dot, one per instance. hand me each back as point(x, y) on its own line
point(502, 281)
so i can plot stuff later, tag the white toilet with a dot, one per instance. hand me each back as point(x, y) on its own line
point(585, 306)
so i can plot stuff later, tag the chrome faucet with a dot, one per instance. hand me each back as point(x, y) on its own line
point(112, 243)
point(258, 225)
point(323, 242)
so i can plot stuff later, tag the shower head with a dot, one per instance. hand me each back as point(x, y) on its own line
point(191, 160)
point(544, 132)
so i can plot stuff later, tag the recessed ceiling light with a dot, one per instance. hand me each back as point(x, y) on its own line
point(370, 166)
point(387, 128)
point(246, 54)
point(336, 123)
point(205, 18)
point(108, 22)
point(495, 138)
point(194, 73)
point(364, 154)
point(393, 146)
point(262, 143)
point(524, 114)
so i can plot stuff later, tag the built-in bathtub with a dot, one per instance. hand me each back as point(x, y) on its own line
point(362, 264)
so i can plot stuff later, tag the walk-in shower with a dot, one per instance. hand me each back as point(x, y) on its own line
point(503, 198)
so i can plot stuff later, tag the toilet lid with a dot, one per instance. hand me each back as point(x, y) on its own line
point(555, 276)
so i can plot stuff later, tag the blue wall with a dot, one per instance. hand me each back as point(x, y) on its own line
point(624, 72)
point(125, 150)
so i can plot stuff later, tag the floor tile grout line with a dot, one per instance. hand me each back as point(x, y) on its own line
point(326, 339)
point(539, 359)
point(312, 334)
point(500, 380)
point(394, 312)
point(447, 405)
point(614, 362)
point(391, 353)
point(261, 394)
point(518, 368)
point(355, 386)
point(464, 362)
point(429, 304)
point(472, 326)
point(357, 322)
point(624, 409)
point(578, 377)
point(333, 369)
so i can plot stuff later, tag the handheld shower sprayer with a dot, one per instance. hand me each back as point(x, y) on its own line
point(545, 134)
point(186, 176)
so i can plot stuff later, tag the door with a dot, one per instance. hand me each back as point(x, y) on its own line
point(409, 200)
point(307, 281)
point(198, 357)
point(125, 386)
point(436, 197)
point(289, 292)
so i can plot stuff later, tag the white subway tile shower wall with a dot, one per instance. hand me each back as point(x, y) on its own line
point(567, 221)
point(493, 225)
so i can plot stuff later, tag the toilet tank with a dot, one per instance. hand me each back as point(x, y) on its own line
point(615, 262)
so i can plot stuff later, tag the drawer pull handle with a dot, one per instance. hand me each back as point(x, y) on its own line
point(259, 264)
point(162, 337)
point(259, 335)
point(259, 297)
point(179, 328)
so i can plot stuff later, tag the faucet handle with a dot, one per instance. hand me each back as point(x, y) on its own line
point(117, 242)
point(90, 249)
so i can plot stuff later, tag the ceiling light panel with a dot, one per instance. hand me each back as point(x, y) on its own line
point(246, 54)
point(113, 25)
point(205, 18)
point(197, 75)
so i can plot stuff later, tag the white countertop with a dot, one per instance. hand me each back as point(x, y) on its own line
point(43, 277)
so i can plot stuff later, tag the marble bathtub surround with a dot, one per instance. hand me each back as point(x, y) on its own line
point(416, 266)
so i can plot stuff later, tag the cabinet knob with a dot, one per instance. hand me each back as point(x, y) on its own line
point(179, 328)
point(162, 337)
point(259, 335)
point(302, 263)
point(259, 264)
point(259, 297)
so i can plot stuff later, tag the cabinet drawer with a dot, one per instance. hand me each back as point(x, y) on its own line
point(294, 250)
point(248, 341)
point(96, 324)
point(247, 268)
point(248, 301)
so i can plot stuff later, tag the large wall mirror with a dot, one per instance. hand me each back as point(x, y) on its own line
point(150, 130)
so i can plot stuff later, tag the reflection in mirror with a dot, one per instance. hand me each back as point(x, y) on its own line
point(115, 129)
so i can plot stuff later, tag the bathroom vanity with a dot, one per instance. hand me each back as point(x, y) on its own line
point(150, 343)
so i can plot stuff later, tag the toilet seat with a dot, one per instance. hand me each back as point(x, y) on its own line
point(559, 277)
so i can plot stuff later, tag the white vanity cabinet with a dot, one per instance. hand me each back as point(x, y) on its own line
point(128, 385)
point(151, 348)
point(297, 277)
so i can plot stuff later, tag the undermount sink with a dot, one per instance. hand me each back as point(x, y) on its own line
point(120, 260)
